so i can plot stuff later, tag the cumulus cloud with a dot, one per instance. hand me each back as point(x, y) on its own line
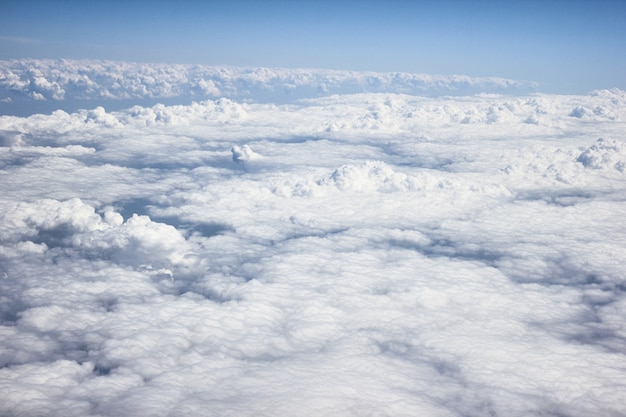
point(71, 79)
point(243, 153)
point(361, 254)
point(608, 154)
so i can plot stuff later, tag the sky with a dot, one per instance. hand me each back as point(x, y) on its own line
point(564, 46)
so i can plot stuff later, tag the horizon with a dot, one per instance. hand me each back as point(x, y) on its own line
point(565, 47)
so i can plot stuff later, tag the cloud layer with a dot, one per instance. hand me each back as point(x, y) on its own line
point(366, 254)
point(88, 80)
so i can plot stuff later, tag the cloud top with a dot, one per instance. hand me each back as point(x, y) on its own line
point(57, 80)
point(350, 255)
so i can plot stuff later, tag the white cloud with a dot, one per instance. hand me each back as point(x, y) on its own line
point(609, 154)
point(366, 254)
point(71, 79)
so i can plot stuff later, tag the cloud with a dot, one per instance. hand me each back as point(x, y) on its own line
point(87, 80)
point(242, 154)
point(360, 254)
point(609, 154)
point(17, 39)
point(10, 138)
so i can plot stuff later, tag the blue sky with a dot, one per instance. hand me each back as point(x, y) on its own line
point(566, 46)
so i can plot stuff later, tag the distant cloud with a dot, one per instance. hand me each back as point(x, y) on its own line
point(69, 79)
point(15, 39)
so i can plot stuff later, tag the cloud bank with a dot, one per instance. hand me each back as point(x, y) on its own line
point(365, 254)
point(92, 80)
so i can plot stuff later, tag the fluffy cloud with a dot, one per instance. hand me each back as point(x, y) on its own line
point(366, 254)
point(69, 79)
point(609, 154)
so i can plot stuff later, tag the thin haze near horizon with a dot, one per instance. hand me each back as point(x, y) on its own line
point(568, 47)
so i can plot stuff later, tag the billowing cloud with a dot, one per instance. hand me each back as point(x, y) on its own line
point(88, 80)
point(361, 254)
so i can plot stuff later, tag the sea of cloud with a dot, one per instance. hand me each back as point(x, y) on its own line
point(369, 254)
point(27, 84)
